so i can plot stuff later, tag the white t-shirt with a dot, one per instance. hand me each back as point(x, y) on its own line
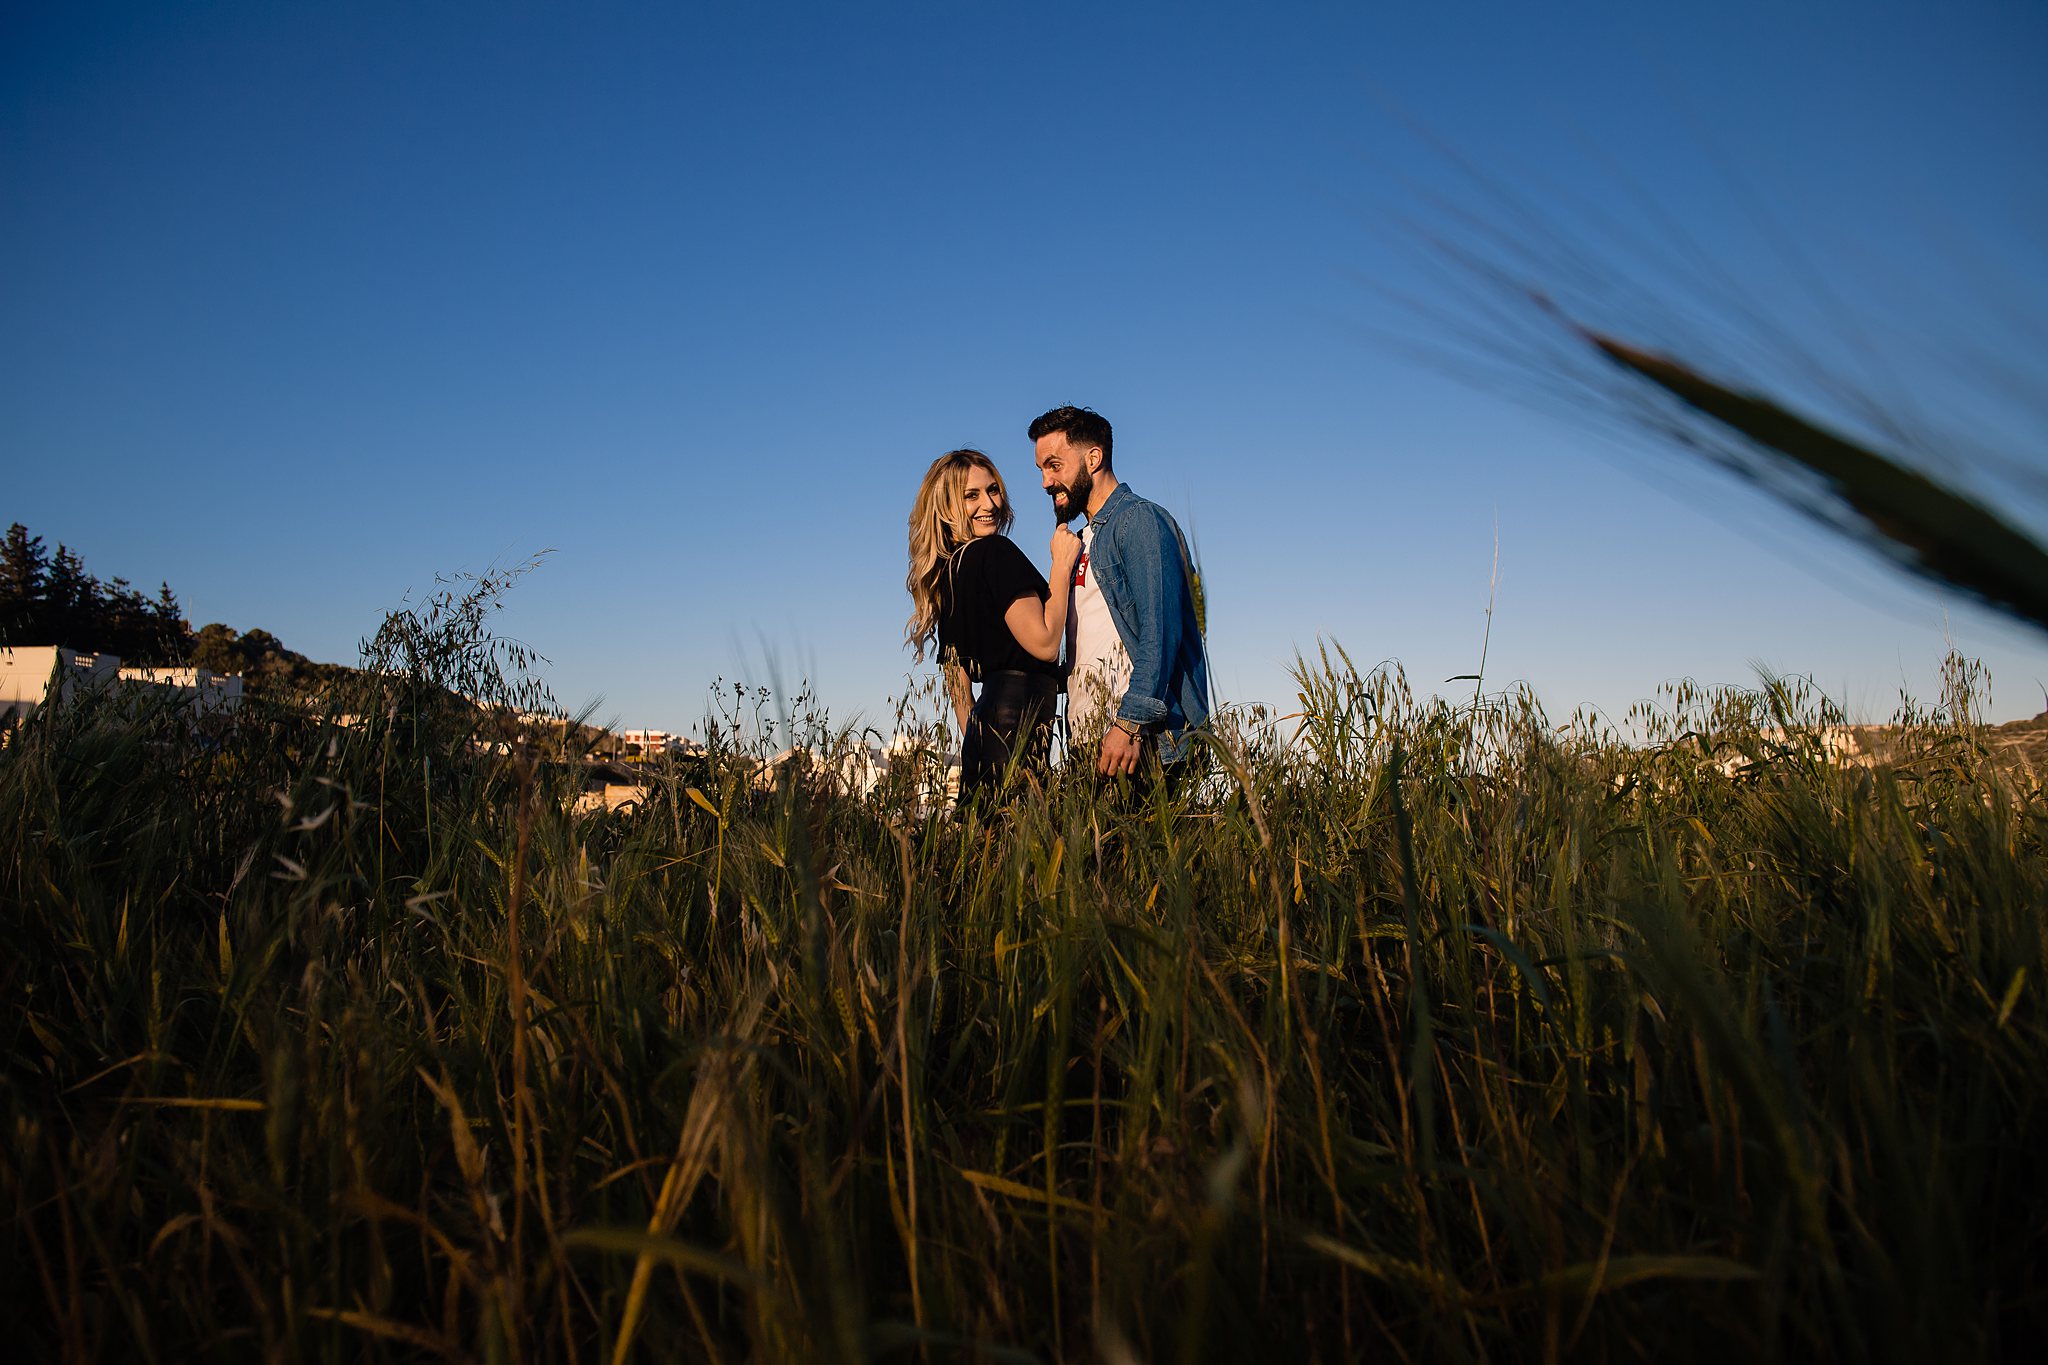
point(1101, 666)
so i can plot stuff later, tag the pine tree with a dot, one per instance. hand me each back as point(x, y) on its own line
point(74, 600)
point(24, 575)
point(173, 633)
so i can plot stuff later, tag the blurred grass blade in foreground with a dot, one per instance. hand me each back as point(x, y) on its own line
point(1933, 530)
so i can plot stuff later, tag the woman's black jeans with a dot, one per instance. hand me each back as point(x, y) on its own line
point(1014, 714)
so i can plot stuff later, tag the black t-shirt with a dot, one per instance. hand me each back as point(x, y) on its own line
point(975, 590)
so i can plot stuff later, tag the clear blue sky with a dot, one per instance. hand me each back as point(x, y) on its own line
point(301, 304)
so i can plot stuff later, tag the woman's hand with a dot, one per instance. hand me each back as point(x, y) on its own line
point(1040, 626)
point(960, 692)
point(1066, 552)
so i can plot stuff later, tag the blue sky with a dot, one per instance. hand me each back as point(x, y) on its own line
point(301, 305)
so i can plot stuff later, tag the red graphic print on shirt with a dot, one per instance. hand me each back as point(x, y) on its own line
point(1081, 569)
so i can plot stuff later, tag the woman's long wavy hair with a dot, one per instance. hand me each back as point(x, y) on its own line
point(938, 528)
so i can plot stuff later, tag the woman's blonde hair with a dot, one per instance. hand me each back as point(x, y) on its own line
point(938, 528)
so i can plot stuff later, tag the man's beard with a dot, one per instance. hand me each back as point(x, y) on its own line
point(1078, 492)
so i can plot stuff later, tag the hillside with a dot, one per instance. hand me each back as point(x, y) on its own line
point(51, 598)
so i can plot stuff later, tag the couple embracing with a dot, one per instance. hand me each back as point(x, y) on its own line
point(1117, 623)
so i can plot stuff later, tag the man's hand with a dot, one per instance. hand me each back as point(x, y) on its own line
point(1119, 754)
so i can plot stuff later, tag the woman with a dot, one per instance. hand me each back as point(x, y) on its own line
point(996, 621)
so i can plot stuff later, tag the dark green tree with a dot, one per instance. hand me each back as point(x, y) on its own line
point(173, 633)
point(53, 600)
point(24, 575)
point(122, 624)
point(217, 647)
point(73, 601)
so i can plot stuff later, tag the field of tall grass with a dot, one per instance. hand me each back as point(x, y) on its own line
point(1422, 1032)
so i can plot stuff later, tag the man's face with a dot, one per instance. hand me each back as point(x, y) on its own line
point(1065, 470)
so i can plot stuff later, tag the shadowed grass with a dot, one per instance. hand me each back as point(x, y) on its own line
point(1439, 1033)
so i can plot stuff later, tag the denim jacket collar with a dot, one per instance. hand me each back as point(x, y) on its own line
point(1112, 507)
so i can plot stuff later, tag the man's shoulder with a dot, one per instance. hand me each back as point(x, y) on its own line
point(1133, 511)
point(1124, 499)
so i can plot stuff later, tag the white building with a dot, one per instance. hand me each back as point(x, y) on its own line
point(210, 693)
point(648, 743)
point(608, 786)
point(33, 674)
point(1840, 745)
point(866, 771)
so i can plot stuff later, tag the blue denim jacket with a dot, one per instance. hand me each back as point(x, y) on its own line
point(1140, 560)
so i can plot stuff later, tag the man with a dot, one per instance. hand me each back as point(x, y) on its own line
point(1139, 678)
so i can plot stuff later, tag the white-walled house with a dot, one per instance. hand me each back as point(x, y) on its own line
point(608, 786)
point(35, 675)
point(649, 743)
point(1841, 745)
point(31, 675)
point(210, 693)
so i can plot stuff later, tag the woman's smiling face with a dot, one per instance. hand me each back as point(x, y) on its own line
point(983, 500)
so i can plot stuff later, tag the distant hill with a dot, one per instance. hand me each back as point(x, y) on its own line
point(266, 665)
point(51, 599)
point(2019, 747)
point(2021, 744)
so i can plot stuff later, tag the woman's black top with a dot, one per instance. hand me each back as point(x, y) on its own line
point(975, 589)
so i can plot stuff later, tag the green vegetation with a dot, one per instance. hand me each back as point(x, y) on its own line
point(1422, 1033)
point(48, 599)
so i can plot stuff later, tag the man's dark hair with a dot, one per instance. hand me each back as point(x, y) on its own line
point(1082, 426)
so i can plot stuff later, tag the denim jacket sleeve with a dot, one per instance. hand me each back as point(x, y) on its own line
point(1153, 582)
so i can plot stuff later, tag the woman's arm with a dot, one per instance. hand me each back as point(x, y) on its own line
point(1041, 626)
point(960, 692)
